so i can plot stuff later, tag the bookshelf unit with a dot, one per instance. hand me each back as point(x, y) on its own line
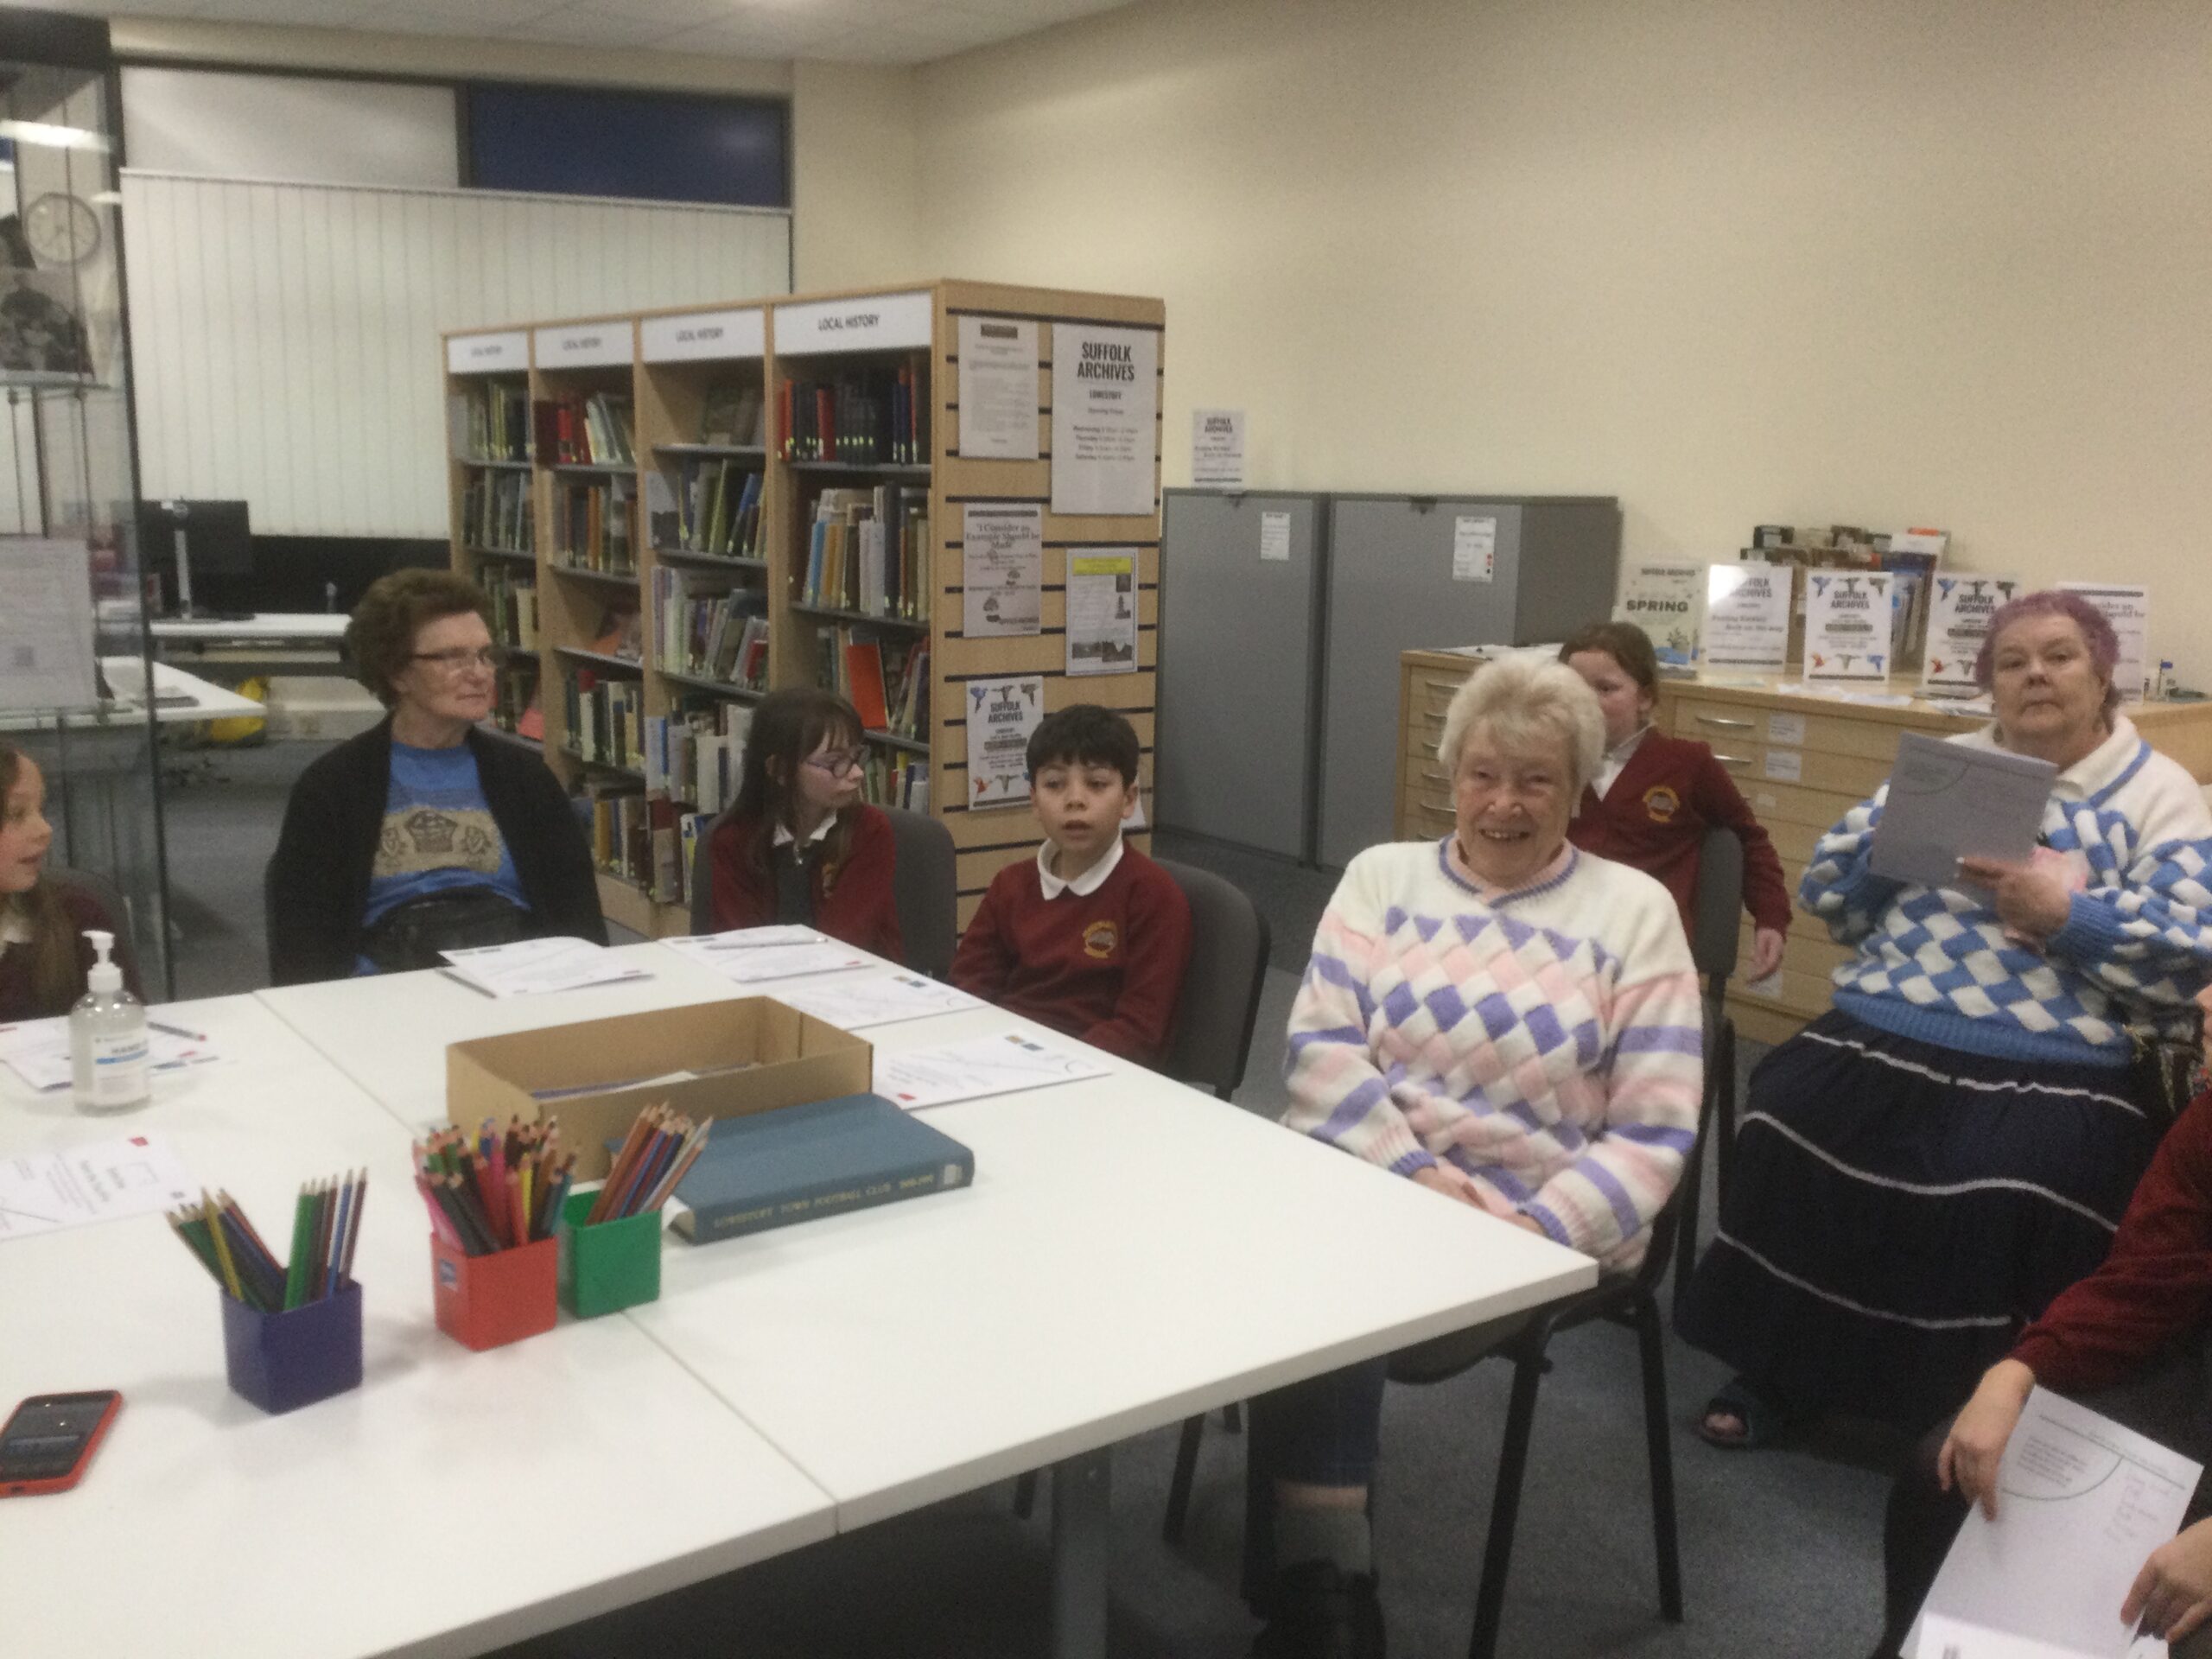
point(883, 364)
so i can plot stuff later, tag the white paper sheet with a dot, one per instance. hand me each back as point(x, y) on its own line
point(917, 1077)
point(998, 388)
point(41, 1191)
point(1217, 448)
point(1274, 538)
point(1105, 418)
point(1958, 621)
point(1949, 801)
point(1846, 625)
point(1666, 599)
point(2080, 1503)
point(1001, 569)
point(534, 967)
point(1001, 714)
point(1474, 548)
point(37, 1051)
point(886, 1000)
point(707, 947)
point(742, 954)
point(46, 623)
point(1747, 615)
point(1101, 631)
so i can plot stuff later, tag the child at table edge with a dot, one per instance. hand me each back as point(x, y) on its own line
point(1091, 937)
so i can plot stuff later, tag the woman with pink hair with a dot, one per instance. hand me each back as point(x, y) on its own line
point(1921, 1169)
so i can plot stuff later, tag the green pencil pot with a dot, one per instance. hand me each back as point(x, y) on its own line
point(610, 1266)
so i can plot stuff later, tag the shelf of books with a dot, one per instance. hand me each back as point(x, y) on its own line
point(675, 512)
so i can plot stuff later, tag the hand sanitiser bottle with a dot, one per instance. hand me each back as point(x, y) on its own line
point(107, 1038)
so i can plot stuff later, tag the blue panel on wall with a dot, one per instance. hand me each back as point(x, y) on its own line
point(655, 147)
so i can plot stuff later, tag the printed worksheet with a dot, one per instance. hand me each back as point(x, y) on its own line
point(2080, 1503)
point(534, 967)
point(917, 1077)
point(43, 1192)
point(1949, 801)
point(751, 956)
point(37, 1051)
point(885, 999)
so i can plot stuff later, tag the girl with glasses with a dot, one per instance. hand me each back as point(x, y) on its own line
point(799, 845)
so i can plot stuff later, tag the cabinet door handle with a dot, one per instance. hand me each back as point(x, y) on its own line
point(1727, 725)
point(1731, 759)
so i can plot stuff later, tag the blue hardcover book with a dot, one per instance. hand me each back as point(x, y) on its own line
point(773, 1168)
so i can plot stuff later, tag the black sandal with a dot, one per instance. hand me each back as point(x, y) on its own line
point(1765, 1420)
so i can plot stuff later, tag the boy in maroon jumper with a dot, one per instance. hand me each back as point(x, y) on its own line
point(1092, 939)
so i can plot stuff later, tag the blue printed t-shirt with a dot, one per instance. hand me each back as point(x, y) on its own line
point(438, 835)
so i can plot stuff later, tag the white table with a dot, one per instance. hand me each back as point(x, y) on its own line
point(271, 642)
point(1132, 1252)
point(389, 1034)
point(200, 700)
point(453, 1503)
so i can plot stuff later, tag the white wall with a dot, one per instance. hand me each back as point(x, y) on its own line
point(1925, 262)
point(264, 126)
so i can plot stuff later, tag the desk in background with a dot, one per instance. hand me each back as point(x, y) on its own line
point(301, 643)
point(1803, 761)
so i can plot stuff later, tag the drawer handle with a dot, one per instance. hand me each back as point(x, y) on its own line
point(1439, 806)
point(1434, 776)
point(1435, 716)
point(1731, 759)
point(1728, 725)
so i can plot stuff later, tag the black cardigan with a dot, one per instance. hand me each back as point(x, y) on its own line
point(317, 889)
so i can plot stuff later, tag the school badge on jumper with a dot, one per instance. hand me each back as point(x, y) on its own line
point(1099, 940)
point(1661, 802)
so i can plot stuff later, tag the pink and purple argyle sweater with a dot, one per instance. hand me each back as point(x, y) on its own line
point(1543, 1045)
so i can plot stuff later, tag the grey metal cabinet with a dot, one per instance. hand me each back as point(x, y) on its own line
point(1240, 650)
point(1391, 586)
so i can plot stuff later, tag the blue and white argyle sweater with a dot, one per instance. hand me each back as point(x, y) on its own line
point(1937, 965)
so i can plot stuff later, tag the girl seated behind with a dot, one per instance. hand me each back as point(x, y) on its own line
point(799, 845)
point(43, 918)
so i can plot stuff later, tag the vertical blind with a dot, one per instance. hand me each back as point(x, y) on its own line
point(285, 337)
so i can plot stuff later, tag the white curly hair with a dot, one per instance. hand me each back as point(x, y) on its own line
point(1525, 703)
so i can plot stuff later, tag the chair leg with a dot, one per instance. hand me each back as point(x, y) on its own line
point(1686, 1215)
point(1724, 1125)
point(1179, 1488)
point(1025, 1495)
point(1232, 1418)
point(1505, 1499)
point(1652, 1351)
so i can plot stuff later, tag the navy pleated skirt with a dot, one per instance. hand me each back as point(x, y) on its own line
point(1897, 1212)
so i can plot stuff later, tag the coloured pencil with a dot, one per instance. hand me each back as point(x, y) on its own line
point(326, 1222)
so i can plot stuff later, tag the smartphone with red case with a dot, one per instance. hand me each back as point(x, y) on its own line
point(50, 1438)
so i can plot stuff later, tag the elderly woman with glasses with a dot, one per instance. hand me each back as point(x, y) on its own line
point(799, 845)
point(1507, 1022)
point(423, 835)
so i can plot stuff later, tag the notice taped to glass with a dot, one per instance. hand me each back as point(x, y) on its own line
point(1103, 611)
point(1001, 714)
point(1105, 419)
point(1002, 567)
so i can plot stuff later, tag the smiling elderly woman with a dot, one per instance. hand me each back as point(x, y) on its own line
point(1504, 1019)
point(1925, 1165)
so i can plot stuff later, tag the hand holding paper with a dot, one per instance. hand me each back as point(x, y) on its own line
point(2172, 1595)
point(1948, 802)
point(2031, 899)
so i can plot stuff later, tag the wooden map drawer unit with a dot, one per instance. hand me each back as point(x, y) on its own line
point(1427, 682)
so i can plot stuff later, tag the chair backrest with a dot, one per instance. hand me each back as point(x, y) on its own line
point(1221, 987)
point(926, 889)
point(1716, 912)
point(103, 892)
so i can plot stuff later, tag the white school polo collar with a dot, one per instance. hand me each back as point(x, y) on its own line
point(1084, 884)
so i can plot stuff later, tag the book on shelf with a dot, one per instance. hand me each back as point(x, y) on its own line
point(491, 422)
point(513, 597)
point(886, 678)
point(621, 831)
point(731, 415)
point(704, 626)
point(889, 779)
point(867, 551)
point(590, 431)
point(606, 718)
point(693, 754)
point(870, 417)
point(592, 526)
point(519, 710)
point(715, 508)
point(622, 633)
point(495, 511)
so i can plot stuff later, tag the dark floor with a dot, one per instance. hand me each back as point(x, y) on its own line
point(1781, 1549)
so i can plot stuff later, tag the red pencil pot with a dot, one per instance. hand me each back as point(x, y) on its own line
point(484, 1301)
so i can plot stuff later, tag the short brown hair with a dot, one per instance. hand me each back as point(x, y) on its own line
point(381, 639)
point(1623, 642)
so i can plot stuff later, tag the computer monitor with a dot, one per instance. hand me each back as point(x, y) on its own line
point(190, 542)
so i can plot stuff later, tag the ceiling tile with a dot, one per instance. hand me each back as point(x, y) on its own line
point(677, 14)
point(749, 34)
point(587, 25)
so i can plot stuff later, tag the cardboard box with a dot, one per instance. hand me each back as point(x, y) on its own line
point(787, 1058)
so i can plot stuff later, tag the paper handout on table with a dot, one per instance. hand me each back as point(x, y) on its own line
point(750, 954)
point(37, 1051)
point(530, 967)
point(883, 1001)
point(916, 1077)
point(41, 1191)
point(2081, 1504)
point(1949, 801)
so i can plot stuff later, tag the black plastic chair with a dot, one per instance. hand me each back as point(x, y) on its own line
point(926, 889)
point(1715, 928)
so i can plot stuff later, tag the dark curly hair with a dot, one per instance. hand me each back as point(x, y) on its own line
point(381, 639)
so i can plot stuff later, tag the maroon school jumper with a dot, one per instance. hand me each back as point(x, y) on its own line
point(1105, 967)
point(859, 909)
point(1670, 792)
